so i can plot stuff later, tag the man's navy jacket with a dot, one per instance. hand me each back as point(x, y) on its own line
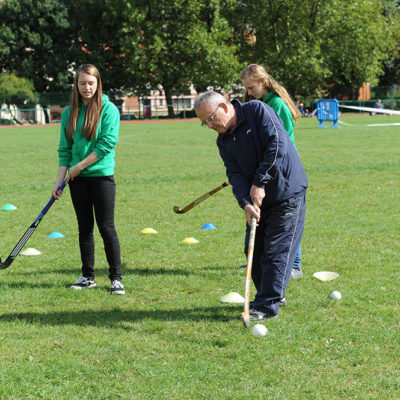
point(258, 151)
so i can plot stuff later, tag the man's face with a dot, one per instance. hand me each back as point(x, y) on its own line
point(215, 116)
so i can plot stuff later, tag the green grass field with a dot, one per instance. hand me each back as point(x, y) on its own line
point(170, 337)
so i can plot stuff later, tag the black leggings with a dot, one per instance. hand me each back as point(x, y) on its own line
point(96, 193)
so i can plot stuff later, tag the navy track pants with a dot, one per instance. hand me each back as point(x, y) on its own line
point(278, 237)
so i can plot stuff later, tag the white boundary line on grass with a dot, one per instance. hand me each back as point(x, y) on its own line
point(374, 110)
point(345, 123)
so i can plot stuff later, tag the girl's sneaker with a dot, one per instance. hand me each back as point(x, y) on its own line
point(83, 283)
point(117, 287)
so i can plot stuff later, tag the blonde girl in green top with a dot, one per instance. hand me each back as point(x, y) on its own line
point(260, 85)
point(89, 133)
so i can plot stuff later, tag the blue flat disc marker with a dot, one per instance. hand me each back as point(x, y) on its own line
point(208, 225)
point(9, 207)
point(55, 235)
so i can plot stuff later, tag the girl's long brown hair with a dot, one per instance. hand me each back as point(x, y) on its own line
point(93, 110)
point(258, 73)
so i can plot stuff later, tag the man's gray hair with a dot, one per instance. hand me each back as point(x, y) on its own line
point(210, 97)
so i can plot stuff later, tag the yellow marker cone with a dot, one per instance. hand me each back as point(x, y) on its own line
point(148, 230)
point(190, 240)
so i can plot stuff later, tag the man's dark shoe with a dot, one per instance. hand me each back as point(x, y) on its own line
point(256, 315)
point(282, 303)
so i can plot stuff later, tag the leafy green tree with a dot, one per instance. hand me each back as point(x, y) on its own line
point(97, 37)
point(355, 49)
point(35, 42)
point(5, 38)
point(309, 45)
point(392, 64)
point(173, 43)
point(15, 91)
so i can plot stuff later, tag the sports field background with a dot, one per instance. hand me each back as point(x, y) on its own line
point(169, 337)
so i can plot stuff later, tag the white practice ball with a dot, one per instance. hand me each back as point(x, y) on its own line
point(336, 295)
point(259, 330)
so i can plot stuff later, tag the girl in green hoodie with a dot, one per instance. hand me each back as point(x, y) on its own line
point(89, 133)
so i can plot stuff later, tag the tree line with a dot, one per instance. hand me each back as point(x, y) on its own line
point(310, 46)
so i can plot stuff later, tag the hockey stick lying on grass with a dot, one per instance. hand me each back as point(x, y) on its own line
point(179, 210)
point(250, 251)
point(29, 232)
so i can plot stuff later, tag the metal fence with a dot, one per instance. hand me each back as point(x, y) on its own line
point(12, 115)
point(390, 104)
point(49, 106)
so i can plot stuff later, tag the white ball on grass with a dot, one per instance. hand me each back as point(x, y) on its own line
point(336, 295)
point(259, 330)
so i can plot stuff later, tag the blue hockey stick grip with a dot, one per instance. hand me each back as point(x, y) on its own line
point(50, 203)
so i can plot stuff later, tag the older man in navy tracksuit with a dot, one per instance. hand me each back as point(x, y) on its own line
point(264, 169)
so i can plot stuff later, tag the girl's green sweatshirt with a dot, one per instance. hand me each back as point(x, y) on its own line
point(281, 108)
point(103, 144)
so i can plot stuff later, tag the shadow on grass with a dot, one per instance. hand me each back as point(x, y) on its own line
point(116, 318)
point(159, 271)
point(219, 268)
point(24, 285)
point(104, 271)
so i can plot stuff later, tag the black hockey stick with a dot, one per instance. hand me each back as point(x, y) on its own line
point(29, 232)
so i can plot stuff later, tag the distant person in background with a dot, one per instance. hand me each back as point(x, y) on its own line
point(89, 133)
point(378, 104)
point(261, 86)
point(300, 106)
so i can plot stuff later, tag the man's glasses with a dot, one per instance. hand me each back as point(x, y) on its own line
point(210, 118)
